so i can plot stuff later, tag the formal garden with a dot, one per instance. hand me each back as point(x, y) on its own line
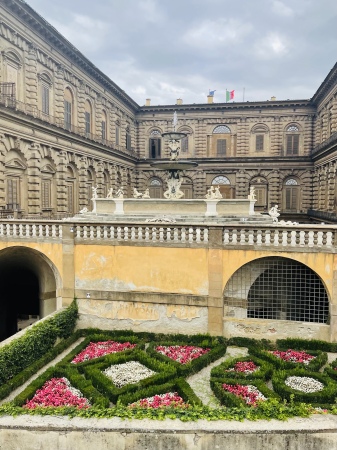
point(54, 370)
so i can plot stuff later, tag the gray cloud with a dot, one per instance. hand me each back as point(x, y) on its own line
point(165, 50)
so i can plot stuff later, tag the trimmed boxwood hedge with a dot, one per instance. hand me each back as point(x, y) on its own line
point(217, 349)
point(306, 344)
point(36, 342)
point(231, 400)
point(326, 396)
point(77, 380)
point(314, 365)
point(94, 371)
point(265, 371)
point(178, 385)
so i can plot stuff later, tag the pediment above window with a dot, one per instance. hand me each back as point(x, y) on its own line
point(48, 168)
point(15, 164)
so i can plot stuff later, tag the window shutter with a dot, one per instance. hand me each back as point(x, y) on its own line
point(87, 122)
point(45, 188)
point(259, 142)
point(296, 141)
point(117, 135)
point(45, 99)
point(67, 115)
point(103, 129)
point(12, 192)
point(221, 147)
point(184, 144)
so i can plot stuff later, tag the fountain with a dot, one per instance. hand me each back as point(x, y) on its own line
point(173, 207)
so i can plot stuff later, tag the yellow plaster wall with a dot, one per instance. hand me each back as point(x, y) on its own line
point(149, 269)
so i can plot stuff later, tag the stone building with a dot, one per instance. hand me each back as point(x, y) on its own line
point(66, 127)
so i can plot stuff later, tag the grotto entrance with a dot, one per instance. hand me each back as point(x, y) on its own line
point(27, 289)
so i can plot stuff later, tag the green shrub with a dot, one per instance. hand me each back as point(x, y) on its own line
point(249, 343)
point(306, 344)
point(326, 395)
point(265, 369)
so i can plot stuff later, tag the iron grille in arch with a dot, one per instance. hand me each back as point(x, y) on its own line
point(278, 289)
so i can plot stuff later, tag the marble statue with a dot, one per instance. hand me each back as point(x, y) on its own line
point(110, 193)
point(252, 195)
point(94, 192)
point(274, 212)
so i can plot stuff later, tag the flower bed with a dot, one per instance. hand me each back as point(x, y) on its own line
point(294, 356)
point(247, 367)
point(304, 384)
point(57, 392)
point(182, 353)
point(98, 349)
point(244, 367)
point(170, 399)
point(249, 393)
point(128, 373)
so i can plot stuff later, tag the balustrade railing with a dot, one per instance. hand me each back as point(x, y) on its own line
point(322, 237)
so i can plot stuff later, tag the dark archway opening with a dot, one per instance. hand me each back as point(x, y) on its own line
point(20, 302)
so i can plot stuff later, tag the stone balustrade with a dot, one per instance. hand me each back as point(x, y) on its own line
point(322, 237)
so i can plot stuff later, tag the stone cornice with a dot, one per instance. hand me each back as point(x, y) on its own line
point(329, 81)
point(33, 20)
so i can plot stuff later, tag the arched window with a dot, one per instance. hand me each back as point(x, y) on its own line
point(261, 192)
point(155, 188)
point(226, 189)
point(291, 195)
point(221, 141)
point(276, 288)
point(259, 135)
point(292, 140)
point(13, 73)
point(155, 144)
point(68, 109)
point(87, 117)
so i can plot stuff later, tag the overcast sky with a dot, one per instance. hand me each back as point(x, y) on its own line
point(169, 49)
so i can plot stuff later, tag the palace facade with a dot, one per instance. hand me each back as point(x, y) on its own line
point(66, 128)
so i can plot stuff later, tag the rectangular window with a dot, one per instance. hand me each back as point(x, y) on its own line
point(184, 144)
point(128, 141)
point(155, 148)
point(70, 198)
point(45, 99)
point(13, 193)
point(46, 193)
point(259, 142)
point(261, 196)
point(103, 129)
point(117, 135)
point(87, 120)
point(67, 115)
point(293, 141)
point(291, 199)
point(221, 145)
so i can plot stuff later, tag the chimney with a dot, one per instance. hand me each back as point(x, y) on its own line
point(210, 98)
point(148, 102)
point(179, 101)
point(273, 98)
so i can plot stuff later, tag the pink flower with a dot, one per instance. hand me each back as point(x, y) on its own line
point(294, 356)
point(57, 392)
point(182, 353)
point(98, 349)
point(250, 394)
point(171, 399)
point(246, 367)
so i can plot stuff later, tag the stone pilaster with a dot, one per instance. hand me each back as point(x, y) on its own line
point(100, 179)
point(308, 136)
point(276, 138)
point(200, 140)
point(2, 169)
point(61, 183)
point(306, 191)
point(59, 94)
point(98, 116)
point(82, 183)
point(81, 107)
point(242, 144)
point(275, 188)
point(34, 180)
point(242, 184)
point(31, 77)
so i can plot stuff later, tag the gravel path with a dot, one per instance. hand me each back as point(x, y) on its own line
point(199, 382)
point(17, 391)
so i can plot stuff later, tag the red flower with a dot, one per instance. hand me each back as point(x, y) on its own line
point(182, 353)
point(97, 349)
point(294, 356)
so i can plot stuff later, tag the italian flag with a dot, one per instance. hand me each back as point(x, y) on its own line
point(229, 95)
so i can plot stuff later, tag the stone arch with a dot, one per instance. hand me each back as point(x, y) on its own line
point(29, 285)
point(276, 288)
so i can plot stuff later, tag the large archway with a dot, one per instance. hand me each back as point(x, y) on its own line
point(276, 288)
point(28, 283)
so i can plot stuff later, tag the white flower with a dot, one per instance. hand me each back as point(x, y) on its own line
point(130, 372)
point(304, 384)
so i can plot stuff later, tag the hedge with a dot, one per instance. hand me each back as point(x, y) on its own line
point(94, 371)
point(326, 396)
point(36, 342)
point(306, 344)
point(265, 371)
